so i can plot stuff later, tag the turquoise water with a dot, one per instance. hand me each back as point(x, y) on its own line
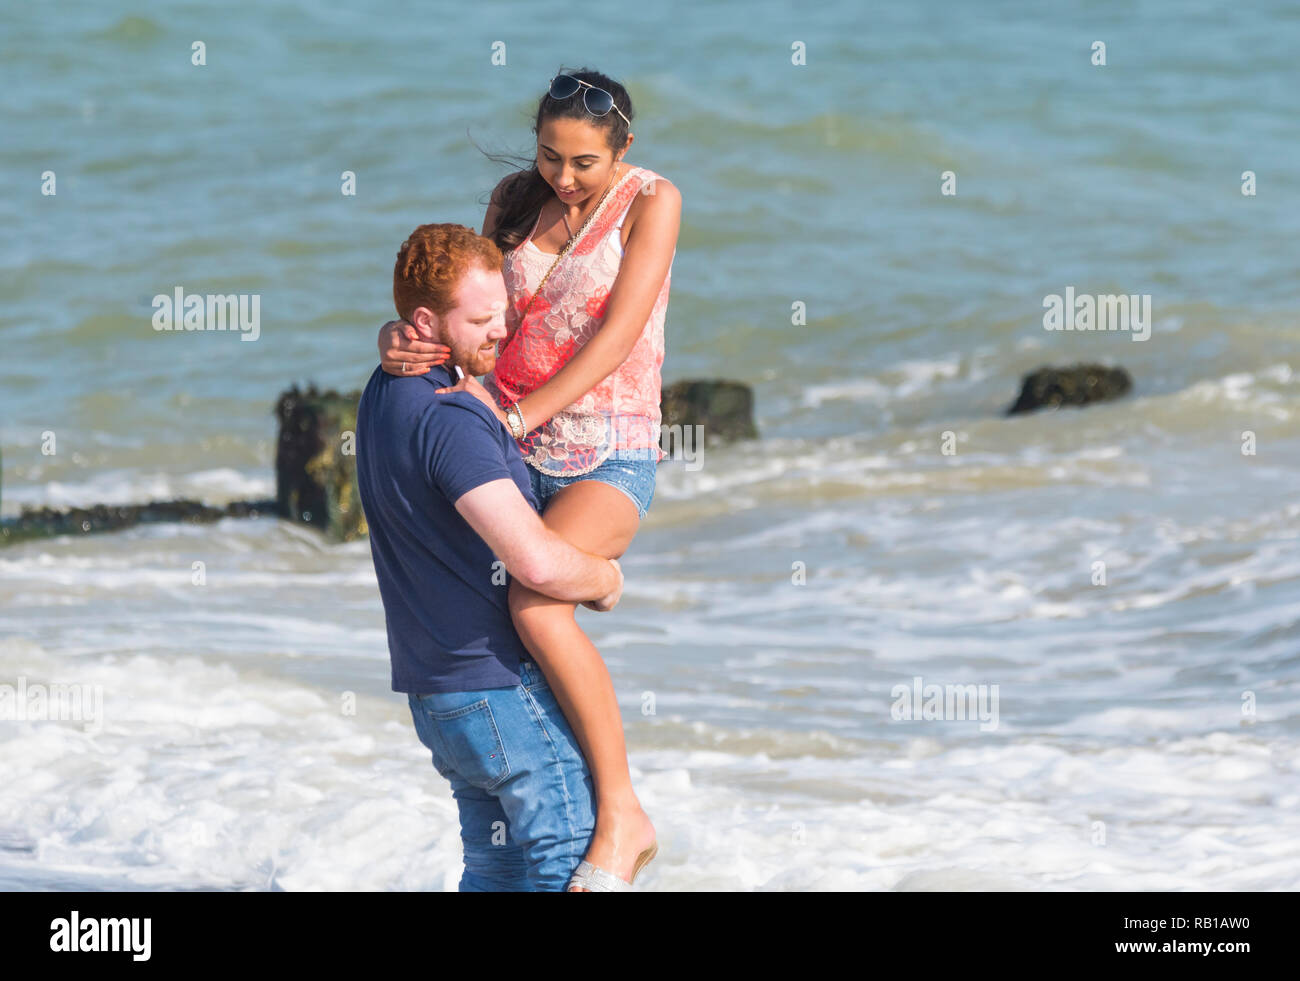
point(817, 184)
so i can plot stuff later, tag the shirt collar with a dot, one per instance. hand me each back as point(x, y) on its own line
point(440, 376)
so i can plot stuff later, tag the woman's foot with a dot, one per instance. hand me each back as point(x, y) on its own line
point(621, 835)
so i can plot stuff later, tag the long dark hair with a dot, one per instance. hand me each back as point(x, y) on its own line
point(524, 192)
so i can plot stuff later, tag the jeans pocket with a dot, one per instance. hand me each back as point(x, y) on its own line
point(531, 676)
point(473, 743)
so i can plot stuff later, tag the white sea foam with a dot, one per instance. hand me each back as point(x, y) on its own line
point(897, 382)
point(205, 775)
point(133, 487)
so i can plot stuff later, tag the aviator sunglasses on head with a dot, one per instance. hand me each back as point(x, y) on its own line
point(597, 101)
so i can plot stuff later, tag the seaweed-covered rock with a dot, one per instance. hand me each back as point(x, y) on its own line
point(724, 408)
point(1078, 384)
point(315, 465)
point(315, 461)
point(49, 522)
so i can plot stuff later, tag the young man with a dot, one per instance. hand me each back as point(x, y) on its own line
point(448, 503)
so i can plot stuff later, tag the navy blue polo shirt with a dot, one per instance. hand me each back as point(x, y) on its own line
point(449, 625)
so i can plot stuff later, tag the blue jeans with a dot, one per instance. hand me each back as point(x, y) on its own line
point(633, 473)
point(527, 809)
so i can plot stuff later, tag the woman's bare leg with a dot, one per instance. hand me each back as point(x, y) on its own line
point(602, 520)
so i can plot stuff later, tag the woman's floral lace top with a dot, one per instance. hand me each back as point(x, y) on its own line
point(622, 412)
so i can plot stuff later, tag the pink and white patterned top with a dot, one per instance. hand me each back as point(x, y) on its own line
point(622, 412)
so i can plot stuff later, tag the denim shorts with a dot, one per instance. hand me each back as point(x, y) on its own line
point(519, 779)
point(633, 472)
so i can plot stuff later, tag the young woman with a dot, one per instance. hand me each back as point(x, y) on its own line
point(589, 241)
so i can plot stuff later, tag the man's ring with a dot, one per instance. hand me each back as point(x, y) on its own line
point(406, 367)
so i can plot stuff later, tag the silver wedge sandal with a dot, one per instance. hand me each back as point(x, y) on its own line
point(593, 877)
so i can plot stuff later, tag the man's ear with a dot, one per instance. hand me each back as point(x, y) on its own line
point(425, 321)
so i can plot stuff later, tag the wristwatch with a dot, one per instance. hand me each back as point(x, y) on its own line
point(515, 420)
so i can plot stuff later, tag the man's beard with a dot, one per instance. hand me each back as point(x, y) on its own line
point(473, 361)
